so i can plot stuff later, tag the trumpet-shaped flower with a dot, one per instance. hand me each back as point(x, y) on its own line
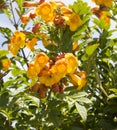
point(107, 3)
point(41, 59)
point(33, 71)
point(78, 79)
point(18, 40)
point(72, 62)
point(12, 49)
point(6, 64)
point(74, 21)
point(31, 43)
point(48, 79)
point(54, 74)
point(46, 11)
point(60, 68)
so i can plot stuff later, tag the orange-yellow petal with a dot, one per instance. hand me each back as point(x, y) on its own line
point(74, 21)
point(107, 3)
point(41, 59)
point(33, 71)
point(18, 40)
point(72, 62)
point(6, 64)
point(31, 43)
point(46, 11)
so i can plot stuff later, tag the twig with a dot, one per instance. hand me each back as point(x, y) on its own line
point(24, 56)
point(99, 81)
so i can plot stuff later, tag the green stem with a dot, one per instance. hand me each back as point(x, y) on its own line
point(100, 99)
point(25, 59)
point(15, 24)
point(99, 81)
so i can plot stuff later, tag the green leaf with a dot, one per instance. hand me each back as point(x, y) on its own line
point(90, 49)
point(16, 71)
point(18, 91)
point(113, 90)
point(84, 100)
point(6, 32)
point(80, 7)
point(20, 3)
point(78, 95)
point(78, 35)
point(3, 53)
point(4, 114)
point(82, 111)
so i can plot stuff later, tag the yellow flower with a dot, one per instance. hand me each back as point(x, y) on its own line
point(31, 43)
point(33, 71)
point(66, 11)
point(12, 49)
point(105, 16)
point(107, 3)
point(48, 79)
point(74, 21)
point(41, 59)
point(78, 79)
point(6, 64)
point(61, 66)
point(46, 11)
point(59, 69)
point(72, 62)
point(54, 74)
point(18, 40)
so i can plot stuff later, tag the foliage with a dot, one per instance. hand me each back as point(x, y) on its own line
point(60, 69)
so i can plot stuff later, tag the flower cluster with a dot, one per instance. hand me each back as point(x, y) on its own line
point(55, 72)
point(55, 12)
point(17, 41)
point(60, 67)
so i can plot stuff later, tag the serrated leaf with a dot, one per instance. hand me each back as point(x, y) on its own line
point(82, 111)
